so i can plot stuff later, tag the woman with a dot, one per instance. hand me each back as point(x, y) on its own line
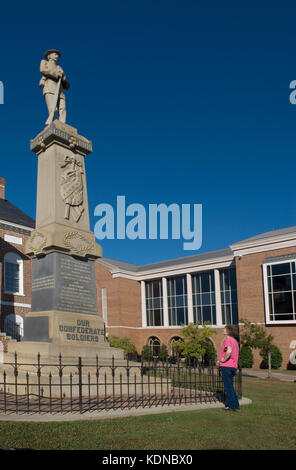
point(228, 363)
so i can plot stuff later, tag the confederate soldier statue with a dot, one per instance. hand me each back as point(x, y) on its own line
point(54, 83)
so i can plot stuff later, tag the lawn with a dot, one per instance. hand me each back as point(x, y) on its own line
point(268, 423)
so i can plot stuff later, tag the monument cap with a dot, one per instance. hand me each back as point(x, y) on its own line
point(50, 51)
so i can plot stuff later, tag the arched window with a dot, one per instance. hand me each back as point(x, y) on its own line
point(154, 345)
point(14, 326)
point(175, 339)
point(13, 274)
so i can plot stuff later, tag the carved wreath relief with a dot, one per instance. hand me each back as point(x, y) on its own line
point(72, 188)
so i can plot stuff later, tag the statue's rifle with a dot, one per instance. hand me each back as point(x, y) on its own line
point(56, 99)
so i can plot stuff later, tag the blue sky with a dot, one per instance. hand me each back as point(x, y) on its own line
point(186, 102)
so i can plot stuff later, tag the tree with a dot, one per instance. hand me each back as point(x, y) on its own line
point(163, 352)
point(195, 341)
point(246, 356)
point(147, 354)
point(123, 343)
point(256, 337)
point(210, 356)
point(276, 357)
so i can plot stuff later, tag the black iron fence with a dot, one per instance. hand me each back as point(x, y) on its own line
point(90, 385)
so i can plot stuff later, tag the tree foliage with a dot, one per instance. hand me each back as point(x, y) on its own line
point(195, 340)
point(123, 343)
point(146, 353)
point(255, 336)
point(246, 358)
point(276, 358)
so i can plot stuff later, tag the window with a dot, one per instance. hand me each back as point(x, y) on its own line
point(204, 302)
point(280, 291)
point(228, 297)
point(14, 326)
point(154, 345)
point(154, 303)
point(177, 301)
point(13, 274)
point(175, 340)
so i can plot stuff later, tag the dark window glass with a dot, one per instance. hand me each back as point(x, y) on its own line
point(280, 268)
point(157, 317)
point(281, 283)
point(11, 277)
point(205, 282)
point(179, 285)
point(207, 314)
point(283, 302)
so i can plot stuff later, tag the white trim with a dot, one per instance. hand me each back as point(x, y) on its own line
point(15, 304)
point(13, 239)
point(174, 327)
point(172, 271)
point(143, 304)
point(165, 302)
point(218, 297)
point(189, 299)
point(23, 227)
point(265, 244)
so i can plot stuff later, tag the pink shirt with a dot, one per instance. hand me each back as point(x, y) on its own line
point(233, 359)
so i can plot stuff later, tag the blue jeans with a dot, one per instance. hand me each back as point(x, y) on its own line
point(228, 374)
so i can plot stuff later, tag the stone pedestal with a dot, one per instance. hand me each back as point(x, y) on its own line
point(64, 316)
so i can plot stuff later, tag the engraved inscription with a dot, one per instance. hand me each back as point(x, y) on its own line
point(82, 331)
point(75, 292)
point(46, 282)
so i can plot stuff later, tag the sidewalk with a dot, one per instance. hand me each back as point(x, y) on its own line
point(264, 375)
point(95, 415)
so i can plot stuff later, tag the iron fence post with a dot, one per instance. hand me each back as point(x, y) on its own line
point(80, 383)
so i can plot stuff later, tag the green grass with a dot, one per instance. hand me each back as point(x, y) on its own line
point(268, 423)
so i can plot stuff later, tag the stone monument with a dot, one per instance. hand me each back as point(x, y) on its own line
point(64, 314)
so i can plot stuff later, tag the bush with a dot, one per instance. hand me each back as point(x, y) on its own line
point(210, 356)
point(246, 358)
point(147, 354)
point(276, 357)
point(163, 352)
point(125, 344)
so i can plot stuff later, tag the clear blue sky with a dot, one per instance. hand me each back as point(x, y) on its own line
point(185, 102)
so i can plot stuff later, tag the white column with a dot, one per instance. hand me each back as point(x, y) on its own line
point(218, 297)
point(189, 298)
point(165, 302)
point(143, 300)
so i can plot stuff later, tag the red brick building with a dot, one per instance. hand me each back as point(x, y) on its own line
point(16, 272)
point(253, 279)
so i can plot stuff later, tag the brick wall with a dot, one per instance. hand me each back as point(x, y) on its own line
point(251, 300)
point(6, 247)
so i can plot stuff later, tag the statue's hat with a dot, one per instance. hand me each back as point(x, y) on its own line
point(50, 51)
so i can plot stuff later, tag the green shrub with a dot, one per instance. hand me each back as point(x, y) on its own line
point(210, 356)
point(246, 358)
point(276, 357)
point(163, 352)
point(147, 354)
point(123, 343)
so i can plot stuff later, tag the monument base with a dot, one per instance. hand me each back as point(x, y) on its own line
point(70, 334)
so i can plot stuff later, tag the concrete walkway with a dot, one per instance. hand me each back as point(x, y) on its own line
point(47, 417)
